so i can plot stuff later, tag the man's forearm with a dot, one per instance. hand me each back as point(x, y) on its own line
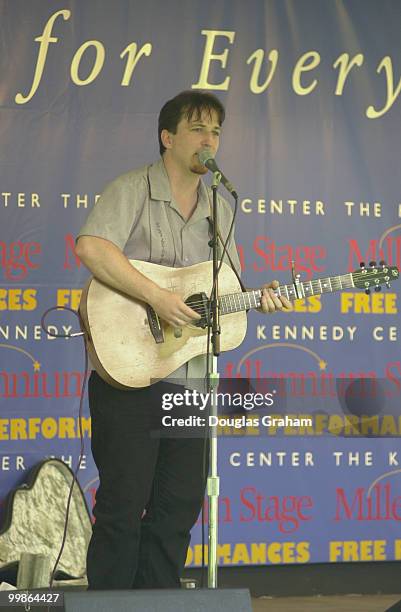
point(109, 265)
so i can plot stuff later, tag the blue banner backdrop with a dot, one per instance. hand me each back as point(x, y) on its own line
point(312, 142)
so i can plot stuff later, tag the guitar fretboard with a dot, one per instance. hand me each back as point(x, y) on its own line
point(235, 302)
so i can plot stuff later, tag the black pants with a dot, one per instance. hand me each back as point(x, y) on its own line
point(140, 472)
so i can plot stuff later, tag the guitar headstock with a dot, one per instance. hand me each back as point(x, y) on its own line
point(373, 276)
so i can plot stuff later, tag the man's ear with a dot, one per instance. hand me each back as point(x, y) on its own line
point(167, 139)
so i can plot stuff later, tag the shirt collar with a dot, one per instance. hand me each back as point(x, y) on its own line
point(159, 185)
point(203, 207)
point(158, 182)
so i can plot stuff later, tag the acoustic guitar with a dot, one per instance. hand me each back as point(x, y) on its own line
point(130, 346)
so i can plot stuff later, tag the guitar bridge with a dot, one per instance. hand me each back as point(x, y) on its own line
point(155, 325)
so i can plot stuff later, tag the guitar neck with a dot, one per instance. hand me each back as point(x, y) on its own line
point(235, 302)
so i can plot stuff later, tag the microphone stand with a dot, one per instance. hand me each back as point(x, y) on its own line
point(213, 481)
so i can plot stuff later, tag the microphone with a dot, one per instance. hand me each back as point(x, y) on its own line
point(206, 159)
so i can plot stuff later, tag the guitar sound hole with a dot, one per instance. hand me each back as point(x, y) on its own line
point(200, 303)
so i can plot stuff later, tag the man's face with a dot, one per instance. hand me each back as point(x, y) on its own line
point(192, 137)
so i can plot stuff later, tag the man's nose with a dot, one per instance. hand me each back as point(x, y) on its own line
point(207, 140)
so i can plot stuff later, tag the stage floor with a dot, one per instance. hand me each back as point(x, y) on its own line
point(344, 603)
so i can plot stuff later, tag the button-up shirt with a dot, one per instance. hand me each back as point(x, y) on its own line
point(138, 214)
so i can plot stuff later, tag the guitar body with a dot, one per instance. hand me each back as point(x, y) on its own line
point(120, 342)
point(131, 348)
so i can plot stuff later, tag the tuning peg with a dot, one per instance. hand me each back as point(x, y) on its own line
point(372, 264)
point(362, 264)
point(378, 288)
point(382, 263)
point(367, 291)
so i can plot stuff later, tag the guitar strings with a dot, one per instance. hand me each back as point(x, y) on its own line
point(282, 287)
point(330, 279)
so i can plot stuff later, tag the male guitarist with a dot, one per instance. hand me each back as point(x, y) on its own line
point(151, 489)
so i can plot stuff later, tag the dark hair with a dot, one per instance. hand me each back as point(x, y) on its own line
point(187, 103)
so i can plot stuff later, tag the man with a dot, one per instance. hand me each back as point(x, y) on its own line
point(160, 213)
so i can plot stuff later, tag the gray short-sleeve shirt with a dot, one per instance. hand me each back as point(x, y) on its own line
point(137, 213)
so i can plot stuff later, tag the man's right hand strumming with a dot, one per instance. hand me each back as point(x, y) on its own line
point(171, 308)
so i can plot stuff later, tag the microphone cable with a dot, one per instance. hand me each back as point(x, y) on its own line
point(81, 401)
